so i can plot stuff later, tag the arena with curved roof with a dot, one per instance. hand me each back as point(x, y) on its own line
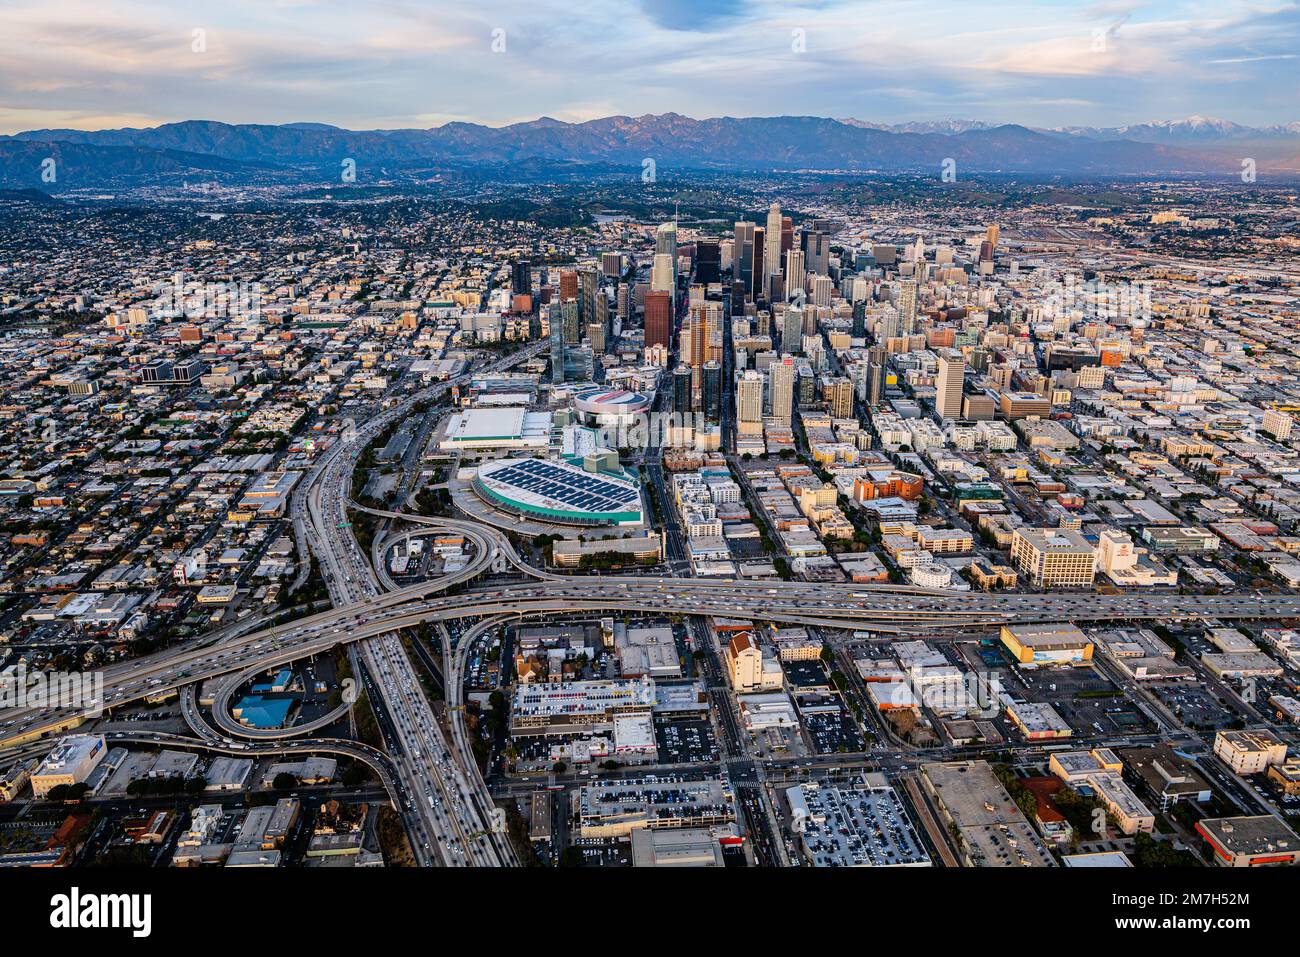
point(559, 492)
point(604, 406)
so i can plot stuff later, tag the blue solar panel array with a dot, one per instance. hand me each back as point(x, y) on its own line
point(584, 493)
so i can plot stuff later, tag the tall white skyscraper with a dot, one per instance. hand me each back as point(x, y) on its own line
point(947, 400)
point(794, 271)
point(772, 242)
point(662, 276)
point(749, 402)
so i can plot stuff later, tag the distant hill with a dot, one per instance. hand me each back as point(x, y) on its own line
point(310, 152)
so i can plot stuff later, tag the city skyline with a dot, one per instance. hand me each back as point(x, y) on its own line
point(392, 65)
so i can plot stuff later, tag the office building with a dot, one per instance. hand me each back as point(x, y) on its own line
point(780, 388)
point(658, 318)
point(1249, 752)
point(948, 388)
point(1054, 557)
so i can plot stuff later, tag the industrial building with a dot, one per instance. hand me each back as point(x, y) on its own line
point(1258, 841)
point(69, 763)
point(1051, 643)
point(988, 828)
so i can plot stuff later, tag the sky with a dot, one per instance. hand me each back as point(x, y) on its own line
point(365, 64)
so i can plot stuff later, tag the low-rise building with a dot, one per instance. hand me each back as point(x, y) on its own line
point(1250, 841)
point(1249, 752)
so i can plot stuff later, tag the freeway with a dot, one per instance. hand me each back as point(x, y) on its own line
point(444, 812)
point(879, 608)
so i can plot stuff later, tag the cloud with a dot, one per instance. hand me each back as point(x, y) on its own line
point(396, 63)
point(690, 15)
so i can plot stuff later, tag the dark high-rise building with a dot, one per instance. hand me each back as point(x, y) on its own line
point(682, 389)
point(588, 286)
point(807, 388)
point(759, 288)
point(711, 390)
point(875, 384)
point(737, 299)
point(521, 278)
point(557, 344)
point(658, 318)
point(876, 375)
point(816, 252)
point(570, 322)
point(708, 261)
point(859, 320)
point(742, 256)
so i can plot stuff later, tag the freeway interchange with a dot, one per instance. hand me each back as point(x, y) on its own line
point(435, 782)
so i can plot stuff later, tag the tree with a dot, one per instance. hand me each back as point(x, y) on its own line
point(67, 792)
point(284, 781)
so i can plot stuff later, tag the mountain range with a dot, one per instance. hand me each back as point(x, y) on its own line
point(205, 150)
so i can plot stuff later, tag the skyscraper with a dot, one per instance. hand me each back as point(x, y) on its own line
point(947, 399)
point(907, 305)
point(570, 324)
point(875, 383)
point(780, 389)
point(708, 256)
point(557, 344)
point(666, 240)
point(658, 318)
point(682, 389)
point(772, 243)
point(794, 271)
point(840, 398)
point(588, 283)
point(890, 324)
point(792, 329)
point(521, 278)
point(662, 275)
point(568, 284)
point(711, 390)
point(816, 252)
point(742, 263)
point(749, 402)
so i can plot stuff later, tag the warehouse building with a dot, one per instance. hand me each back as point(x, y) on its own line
point(1047, 644)
point(1261, 841)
